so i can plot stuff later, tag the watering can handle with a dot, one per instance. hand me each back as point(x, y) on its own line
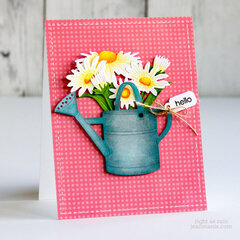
point(140, 108)
point(166, 129)
point(136, 94)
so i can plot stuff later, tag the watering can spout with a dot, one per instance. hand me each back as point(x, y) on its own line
point(68, 106)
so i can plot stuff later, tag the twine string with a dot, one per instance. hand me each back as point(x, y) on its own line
point(169, 110)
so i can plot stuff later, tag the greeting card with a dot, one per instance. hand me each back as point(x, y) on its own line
point(125, 116)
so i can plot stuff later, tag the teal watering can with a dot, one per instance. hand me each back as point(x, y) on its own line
point(130, 137)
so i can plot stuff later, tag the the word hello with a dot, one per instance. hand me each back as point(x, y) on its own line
point(183, 101)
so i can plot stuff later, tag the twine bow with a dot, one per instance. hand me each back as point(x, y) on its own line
point(169, 110)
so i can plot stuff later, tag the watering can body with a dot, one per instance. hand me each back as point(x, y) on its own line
point(130, 141)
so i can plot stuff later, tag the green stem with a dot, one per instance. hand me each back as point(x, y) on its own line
point(108, 102)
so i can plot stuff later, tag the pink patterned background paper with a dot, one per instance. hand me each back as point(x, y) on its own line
point(84, 189)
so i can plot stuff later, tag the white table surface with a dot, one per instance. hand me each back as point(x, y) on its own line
point(22, 216)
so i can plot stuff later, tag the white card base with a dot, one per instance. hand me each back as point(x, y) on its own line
point(47, 187)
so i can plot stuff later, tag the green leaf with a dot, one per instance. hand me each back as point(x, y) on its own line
point(131, 108)
point(97, 92)
point(100, 91)
point(151, 98)
point(143, 94)
point(105, 93)
point(160, 72)
point(99, 99)
point(108, 100)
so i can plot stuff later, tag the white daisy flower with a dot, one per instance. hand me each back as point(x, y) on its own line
point(161, 63)
point(127, 98)
point(82, 76)
point(146, 81)
point(115, 62)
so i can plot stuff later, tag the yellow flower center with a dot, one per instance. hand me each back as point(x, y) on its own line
point(145, 81)
point(107, 56)
point(88, 77)
point(125, 93)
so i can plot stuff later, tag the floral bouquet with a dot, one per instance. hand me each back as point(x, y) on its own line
point(99, 75)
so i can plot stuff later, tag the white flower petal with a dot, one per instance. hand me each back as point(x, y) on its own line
point(114, 79)
point(75, 72)
point(90, 91)
point(71, 84)
point(71, 77)
point(94, 62)
point(122, 104)
point(81, 91)
point(162, 84)
point(79, 60)
point(112, 96)
point(101, 66)
point(86, 64)
point(121, 81)
point(80, 67)
point(112, 90)
point(154, 92)
point(153, 71)
point(75, 88)
point(85, 54)
point(160, 76)
point(147, 67)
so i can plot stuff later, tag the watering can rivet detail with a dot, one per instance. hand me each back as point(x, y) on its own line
point(130, 137)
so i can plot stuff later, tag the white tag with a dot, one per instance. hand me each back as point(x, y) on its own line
point(185, 100)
